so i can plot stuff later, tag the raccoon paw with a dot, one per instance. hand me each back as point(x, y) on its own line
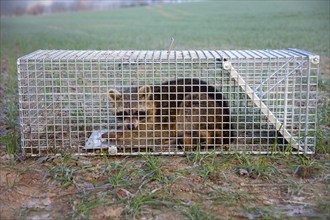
point(109, 135)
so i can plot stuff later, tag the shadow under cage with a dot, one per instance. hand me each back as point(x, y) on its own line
point(168, 102)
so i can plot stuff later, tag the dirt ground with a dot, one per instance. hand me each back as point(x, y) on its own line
point(164, 187)
point(213, 187)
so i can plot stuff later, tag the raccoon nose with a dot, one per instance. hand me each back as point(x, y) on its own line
point(130, 126)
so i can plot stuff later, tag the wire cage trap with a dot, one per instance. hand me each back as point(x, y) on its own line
point(168, 102)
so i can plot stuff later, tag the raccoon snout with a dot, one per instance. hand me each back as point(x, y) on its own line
point(130, 126)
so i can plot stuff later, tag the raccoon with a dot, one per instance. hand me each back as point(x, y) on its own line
point(182, 112)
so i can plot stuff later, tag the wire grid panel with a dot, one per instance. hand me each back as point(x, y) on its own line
point(168, 102)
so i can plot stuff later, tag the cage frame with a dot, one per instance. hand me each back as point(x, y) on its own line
point(228, 59)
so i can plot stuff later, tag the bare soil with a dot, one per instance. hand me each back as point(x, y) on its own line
point(29, 189)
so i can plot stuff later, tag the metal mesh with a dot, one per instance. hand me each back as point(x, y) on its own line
point(168, 102)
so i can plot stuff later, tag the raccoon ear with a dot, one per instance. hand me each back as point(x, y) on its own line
point(145, 92)
point(114, 95)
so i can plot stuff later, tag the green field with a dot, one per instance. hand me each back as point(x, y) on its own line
point(211, 25)
point(191, 187)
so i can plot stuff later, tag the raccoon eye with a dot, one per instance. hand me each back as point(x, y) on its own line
point(142, 113)
point(119, 114)
point(122, 113)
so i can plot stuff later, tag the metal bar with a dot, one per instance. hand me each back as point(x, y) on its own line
point(284, 78)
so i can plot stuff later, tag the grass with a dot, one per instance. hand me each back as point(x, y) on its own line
point(11, 113)
point(226, 25)
point(323, 122)
point(139, 186)
point(11, 184)
point(152, 169)
point(227, 197)
point(119, 176)
point(195, 213)
point(203, 164)
point(63, 173)
point(137, 202)
point(11, 142)
point(27, 211)
point(324, 207)
point(263, 213)
point(255, 166)
point(87, 202)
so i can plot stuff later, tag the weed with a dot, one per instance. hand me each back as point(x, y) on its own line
point(306, 161)
point(206, 164)
point(295, 187)
point(288, 150)
point(225, 161)
point(322, 137)
point(276, 149)
point(256, 165)
point(11, 142)
point(197, 158)
point(207, 167)
point(305, 166)
point(11, 114)
point(322, 142)
point(137, 202)
point(87, 203)
point(227, 197)
point(324, 84)
point(152, 168)
point(62, 173)
point(11, 184)
point(26, 211)
point(323, 206)
point(205, 170)
point(119, 175)
point(105, 157)
point(195, 213)
point(261, 213)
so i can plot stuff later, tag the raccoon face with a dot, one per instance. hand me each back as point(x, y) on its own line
point(132, 108)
